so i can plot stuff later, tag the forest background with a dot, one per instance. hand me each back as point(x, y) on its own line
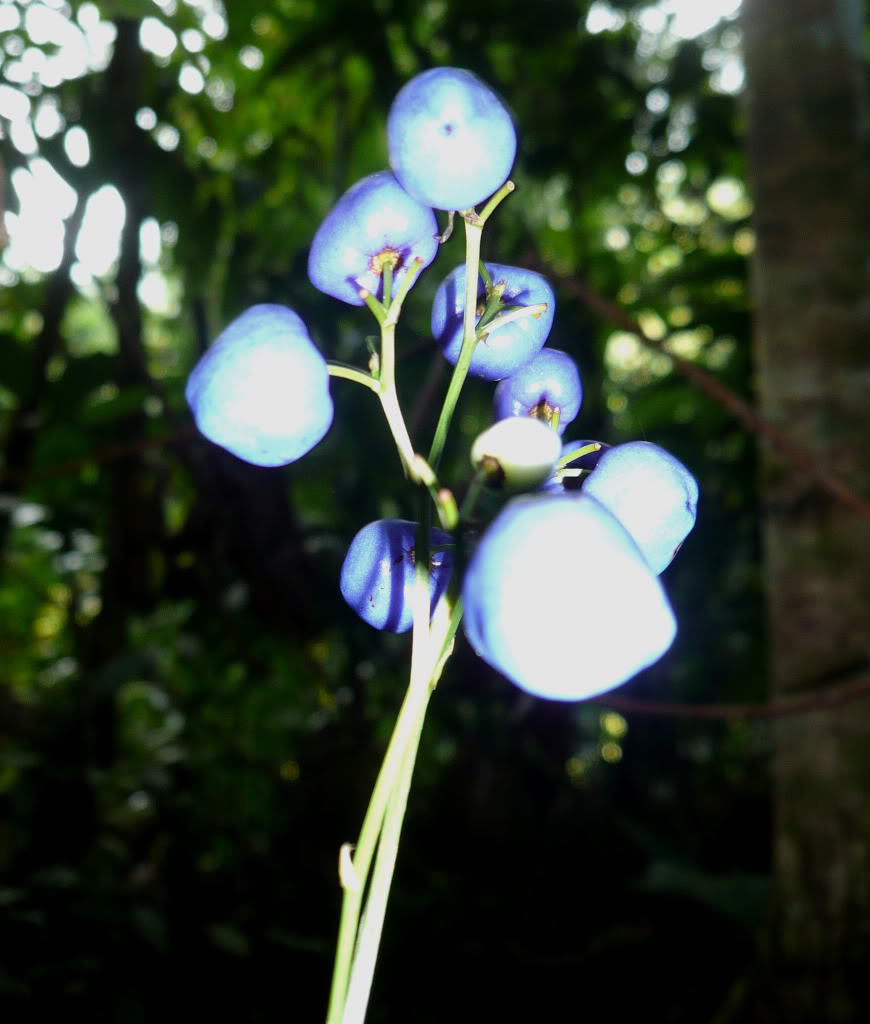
point(190, 717)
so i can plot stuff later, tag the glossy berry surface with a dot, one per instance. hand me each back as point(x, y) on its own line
point(375, 221)
point(451, 140)
point(559, 599)
point(547, 383)
point(262, 390)
point(377, 576)
point(504, 350)
point(651, 493)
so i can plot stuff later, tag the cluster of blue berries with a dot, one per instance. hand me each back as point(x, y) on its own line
point(561, 590)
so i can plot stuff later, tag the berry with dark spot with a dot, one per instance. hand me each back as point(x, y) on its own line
point(377, 576)
point(451, 139)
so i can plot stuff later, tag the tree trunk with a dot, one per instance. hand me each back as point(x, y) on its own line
point(807, 121)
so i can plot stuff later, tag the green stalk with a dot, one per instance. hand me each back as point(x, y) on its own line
point(387, 276)
point(387, 376)
point(410, 717)
point(494, 200)
point(390, 404)
point(374, 305)
point(420, 689)
point(473, 230)
point(359, 989)
point(587, 449)
point(337, 369)
point(472, 495)
point(508, 318)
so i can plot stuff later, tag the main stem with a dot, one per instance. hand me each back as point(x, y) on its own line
point(473, 231)
point(422, 667)
point(389, 398)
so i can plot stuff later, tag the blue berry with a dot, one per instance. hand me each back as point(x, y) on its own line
point(547, 383)
point(559, 599)
point(374, 222)
point(377, 576)
point(452, 141)
point(504, 350)
point(262, 390)
point(651, 493)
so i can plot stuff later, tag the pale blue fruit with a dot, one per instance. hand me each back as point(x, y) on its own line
point(262, 390)
point(651, 493)
point(452, 141)
point(375, 221)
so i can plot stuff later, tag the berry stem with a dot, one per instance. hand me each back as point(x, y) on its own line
point(419, 691)
point(472, 495)
point(587, 449)
point(388, 319)
point(388, 284)
point(507, 318)
point(495, 199)
point(473, 230)
point(374, 305)
point(337, 369)
point(442, 497)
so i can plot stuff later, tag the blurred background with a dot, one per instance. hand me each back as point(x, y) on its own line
point(191, 719)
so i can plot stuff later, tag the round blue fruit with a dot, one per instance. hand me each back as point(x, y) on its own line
point(377, 576)
point(262, 390)
point(546, 384)
point(452, 141)
point(374, 223)
point(651, 493)
point(504, 350)
point(559, 599)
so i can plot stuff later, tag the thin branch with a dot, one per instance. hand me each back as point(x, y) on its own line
point(821, 700)
point(787, 448)
point(107, 454)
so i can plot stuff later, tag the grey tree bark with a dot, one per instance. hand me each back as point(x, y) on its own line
point(807, 149)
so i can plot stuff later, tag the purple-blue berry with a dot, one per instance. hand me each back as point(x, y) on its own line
point(374, 223)
point(377, 576)
point(262, 390)
point(452, 141)
point(547, 384)
point(504, 350)
point(559, 599)
point(651, 493)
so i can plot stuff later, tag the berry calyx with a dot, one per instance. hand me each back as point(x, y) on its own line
point(377, 575)
point(547, 388)
point(559, 599)
point(262, 390)
point(375, 224)
point(452, 141)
